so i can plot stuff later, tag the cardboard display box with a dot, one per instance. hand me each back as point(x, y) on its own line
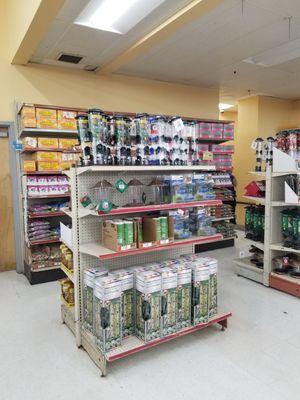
point(66, 120)
point(111, 236)
point(47, 143)
point(29, 166)
point(154, 232)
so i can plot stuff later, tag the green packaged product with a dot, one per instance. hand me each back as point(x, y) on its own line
point(120, 231)
point(148, 308)
point(89, 277)
point(157, 228)
point(164, 228)
point(184, 295)
point(212, 264)
point(200, 293)
point(168, 315)
point(128, 303)
point(128, 232)
point(108, 313)
point(139, 222)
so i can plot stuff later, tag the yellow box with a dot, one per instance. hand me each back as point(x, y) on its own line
point(46, 113)
point(29, 166)
point(28, 112)
point(67, 143)
point(47, 143)
point(46, 156)
point(67, 125)
point(65, 165)
point(29, 142)
point(48, 166)
point(28, 122)
point(46, 123)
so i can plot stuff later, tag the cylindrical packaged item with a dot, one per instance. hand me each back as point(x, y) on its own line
point(128, 232)
point(139, 222)
point(164, 228)
point(89, 276)
point(108, 313)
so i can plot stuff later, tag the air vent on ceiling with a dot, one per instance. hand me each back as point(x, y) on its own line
point(69, 58)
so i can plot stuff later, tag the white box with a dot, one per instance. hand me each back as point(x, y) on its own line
point(66, 235)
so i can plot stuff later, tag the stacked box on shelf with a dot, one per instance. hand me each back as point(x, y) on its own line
point(47, 185)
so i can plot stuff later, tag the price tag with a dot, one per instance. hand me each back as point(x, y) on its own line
point(17, 145)
point(207, 156)
point(178, 125)
point(127, 247)
point(165, 241)
point(147, 244)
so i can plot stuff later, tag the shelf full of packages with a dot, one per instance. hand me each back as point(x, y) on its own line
point(93, 232)
point(44, 145)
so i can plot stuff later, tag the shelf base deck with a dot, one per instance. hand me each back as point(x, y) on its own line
point(244, 268)
point(285, 283)
point(131, 344)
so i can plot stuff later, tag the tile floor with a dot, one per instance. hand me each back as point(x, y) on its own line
point(258, 357)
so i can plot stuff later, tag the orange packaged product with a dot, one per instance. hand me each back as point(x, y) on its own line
point(67, 144)
point(47, 156)
point(29, 166)
point(47, 143)
point(66, 120)
point(48, 166)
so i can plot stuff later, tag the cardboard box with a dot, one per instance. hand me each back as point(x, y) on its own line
point(46, 156)
point(184, 293)
point(169, 300)
point(47, 143)
point(27, 122)
point(108, 313)
point(29, 142)
point(29, 166)
point(66, 120)
point(45, 113)
point(148, 305)
point(111, 237)
point(65, 165)
point(28, 112)
point(48, 166)
point(152, 230)
point(200, 290)
point(45, 123)
point(67, 143)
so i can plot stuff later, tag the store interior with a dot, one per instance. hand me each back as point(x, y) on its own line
point(149, 199)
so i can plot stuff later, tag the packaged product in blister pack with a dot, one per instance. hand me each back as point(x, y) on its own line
point(108, 312)
point(89, 277)
point(184, 295)
point(200, 289)
point(148, 305)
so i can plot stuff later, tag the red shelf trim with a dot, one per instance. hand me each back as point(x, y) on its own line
point(223, 318)
point(158, 207)
point(176, 243)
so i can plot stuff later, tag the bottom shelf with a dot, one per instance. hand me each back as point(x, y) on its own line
point(132, 344)
point(243, 267)
point(285, 283)
point(42, 275)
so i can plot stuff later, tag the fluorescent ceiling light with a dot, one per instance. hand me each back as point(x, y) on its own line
point(278, 55)
point(224, 106)
point(117, 16)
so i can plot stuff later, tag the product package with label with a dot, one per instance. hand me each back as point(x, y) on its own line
point(184, 295)
point(169, 299)
point(200, 290)
point(108, 313)
point(148, 305)
point(89, 277)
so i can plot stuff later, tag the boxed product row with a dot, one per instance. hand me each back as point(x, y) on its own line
point(47, 143)
point(47, 118)
point(150, 301)
point(46, 208)
point(42, 230)
point(43, 256)
point(47, 185)
point(161, 190)
point(141, 232)
point(45, 161)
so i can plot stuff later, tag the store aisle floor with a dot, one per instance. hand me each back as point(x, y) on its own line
point(258, 357)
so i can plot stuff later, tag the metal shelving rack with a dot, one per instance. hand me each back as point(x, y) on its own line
point(21, 197)
point(275, 202)
point(88, 252)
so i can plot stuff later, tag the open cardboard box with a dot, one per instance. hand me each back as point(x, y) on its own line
point(110, 237)
point(149, 231)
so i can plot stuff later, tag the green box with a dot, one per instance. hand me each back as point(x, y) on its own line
point(200, 293)
point(169, 299)
point(184, 293)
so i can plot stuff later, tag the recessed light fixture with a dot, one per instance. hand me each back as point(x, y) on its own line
point(277, 55)
point(224, 106)
point(117, 16)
